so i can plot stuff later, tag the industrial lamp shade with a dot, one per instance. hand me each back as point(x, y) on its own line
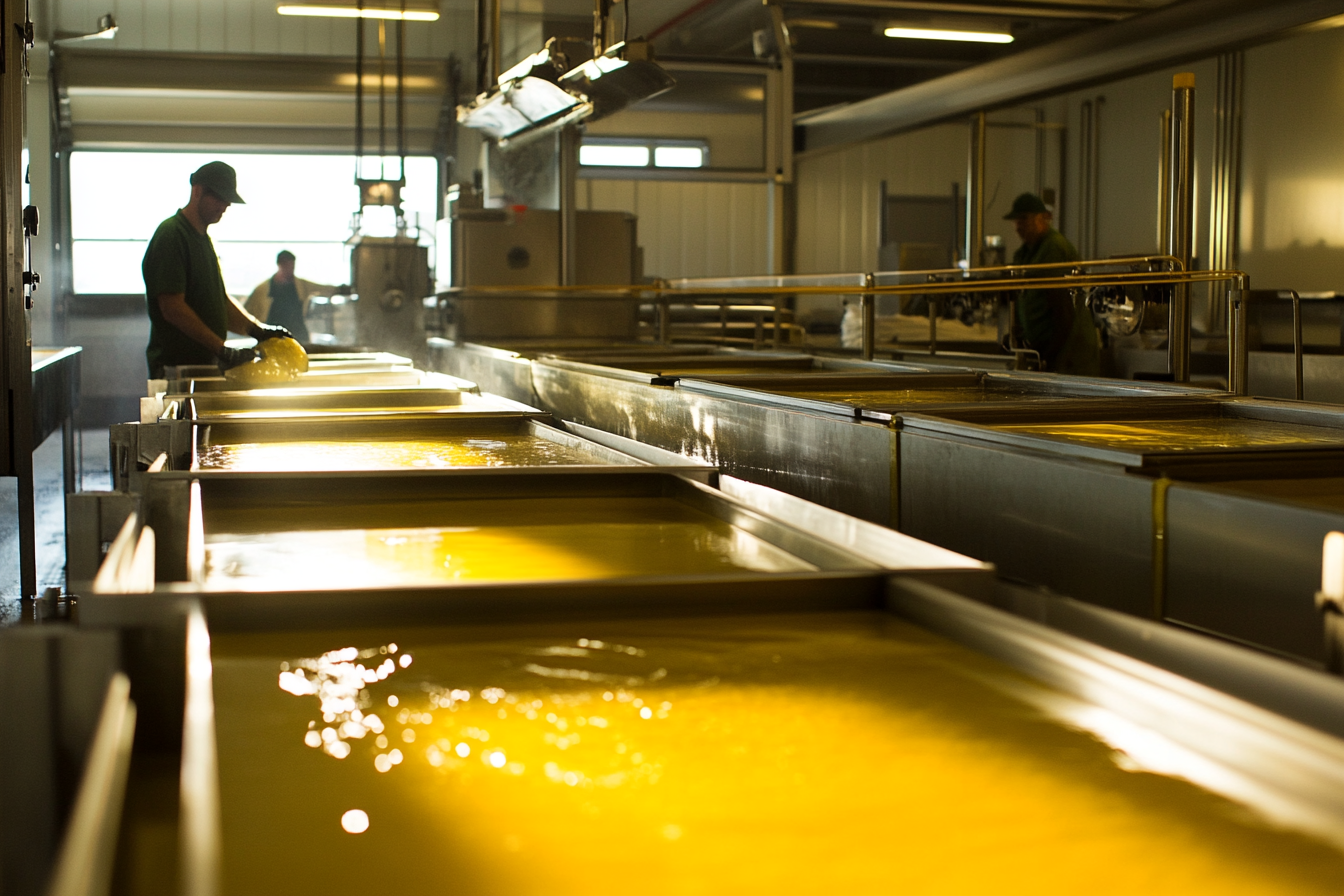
point(409, 10)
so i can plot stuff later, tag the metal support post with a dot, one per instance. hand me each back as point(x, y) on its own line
point(868, 305)
point(1180, 235)
point(1164, 183)
point(975, 192)
point(1238, 355)
point(569, 168)
point(1297, 343)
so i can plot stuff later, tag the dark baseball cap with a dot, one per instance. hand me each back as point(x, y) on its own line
point(220, 179)
point(1026, 204)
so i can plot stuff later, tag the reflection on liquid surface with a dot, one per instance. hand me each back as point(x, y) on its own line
point(518, 539)
point(499, 450)
point(1182, 435)
point(831, 753)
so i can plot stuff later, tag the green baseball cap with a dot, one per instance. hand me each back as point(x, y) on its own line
point(1026, 204)
point(220, 179)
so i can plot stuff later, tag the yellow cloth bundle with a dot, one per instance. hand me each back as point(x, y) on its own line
point(281, 361)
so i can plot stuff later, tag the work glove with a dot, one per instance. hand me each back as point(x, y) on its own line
point(232, 357)
point(262, 332)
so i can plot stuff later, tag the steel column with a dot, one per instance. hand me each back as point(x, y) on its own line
point(569, 170)
point(975, 192)
point(1180, 229)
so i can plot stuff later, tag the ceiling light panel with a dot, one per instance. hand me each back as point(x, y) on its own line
point(411, 11)
point(979, 37)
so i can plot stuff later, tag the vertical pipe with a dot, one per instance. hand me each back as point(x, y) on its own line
point(1297, 343)
point(382, 95)
point(933, 324)
point(401, 93)
point(1040, 151)
point(569, 168)
point(1237, 354)
point(359, 93)
point(664, 320)
point(1094, 187)
point(1180, 237)
point(975, 192)
point(1085, 175)
point(495, 65)
point(1164, 183)
point(599, 27)
point(868, 305)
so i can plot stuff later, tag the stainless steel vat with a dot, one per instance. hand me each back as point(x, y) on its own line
point(786, 449)
point(882, 397)
point(1078, 516)
point(369, 402)
point(1276, 767)
point(1243, 557)
point(324, 444)
point(185, 511)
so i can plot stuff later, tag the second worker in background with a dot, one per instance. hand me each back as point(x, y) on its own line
point(1051, 321)
point(283, 299)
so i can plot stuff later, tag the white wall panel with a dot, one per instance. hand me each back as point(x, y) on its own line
point(1292, 211)
point(839, 193)
point(691, 228)
point(253, 26)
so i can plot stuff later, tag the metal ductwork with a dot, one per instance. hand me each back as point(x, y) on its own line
point(713, 30)
point(1175, 34)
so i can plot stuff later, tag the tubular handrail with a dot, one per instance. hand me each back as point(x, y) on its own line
point(1012, 278)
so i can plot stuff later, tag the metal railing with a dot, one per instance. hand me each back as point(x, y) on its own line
point(773, 290)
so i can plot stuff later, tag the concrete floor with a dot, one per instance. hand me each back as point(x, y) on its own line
point(91, 447)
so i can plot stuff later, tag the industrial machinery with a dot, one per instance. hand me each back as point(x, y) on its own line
point(391, 278)
point(495, 248)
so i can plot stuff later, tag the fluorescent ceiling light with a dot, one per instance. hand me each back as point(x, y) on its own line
point(353, 12)
point(678, 157)
point(610, 156)
point(979, 37)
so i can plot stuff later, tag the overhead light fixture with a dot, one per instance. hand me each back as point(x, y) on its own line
point(410, 11)
point(977, 37)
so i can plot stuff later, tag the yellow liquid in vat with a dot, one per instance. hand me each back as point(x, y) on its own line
point(500, 450)
point(501, 540)
point(827, 753)
point(1183, 435)
point(898, 397)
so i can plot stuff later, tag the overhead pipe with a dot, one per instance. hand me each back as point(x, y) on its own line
point(1172, 35)
point(1180, 235)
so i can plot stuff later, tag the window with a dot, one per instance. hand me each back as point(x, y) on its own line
point(303, 203)
point(614, 156)
point(624, 152)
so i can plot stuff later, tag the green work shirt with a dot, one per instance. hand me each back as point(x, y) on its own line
point(181, 259)
point(1050, 321)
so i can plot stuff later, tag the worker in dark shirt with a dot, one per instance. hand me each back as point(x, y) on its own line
point(283, 299)
point(189, 311)
point(1050, 321)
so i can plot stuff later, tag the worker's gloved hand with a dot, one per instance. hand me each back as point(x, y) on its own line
point(232, 357)
point(262, 332)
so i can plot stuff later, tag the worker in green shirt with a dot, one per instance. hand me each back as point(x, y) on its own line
point(189, 311)
point(1051, 321)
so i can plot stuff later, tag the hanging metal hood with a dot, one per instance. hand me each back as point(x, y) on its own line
point(620, 77)
point(527, 102)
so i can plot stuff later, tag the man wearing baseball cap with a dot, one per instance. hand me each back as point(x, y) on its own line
point(1049, 320)
point(189, 311)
